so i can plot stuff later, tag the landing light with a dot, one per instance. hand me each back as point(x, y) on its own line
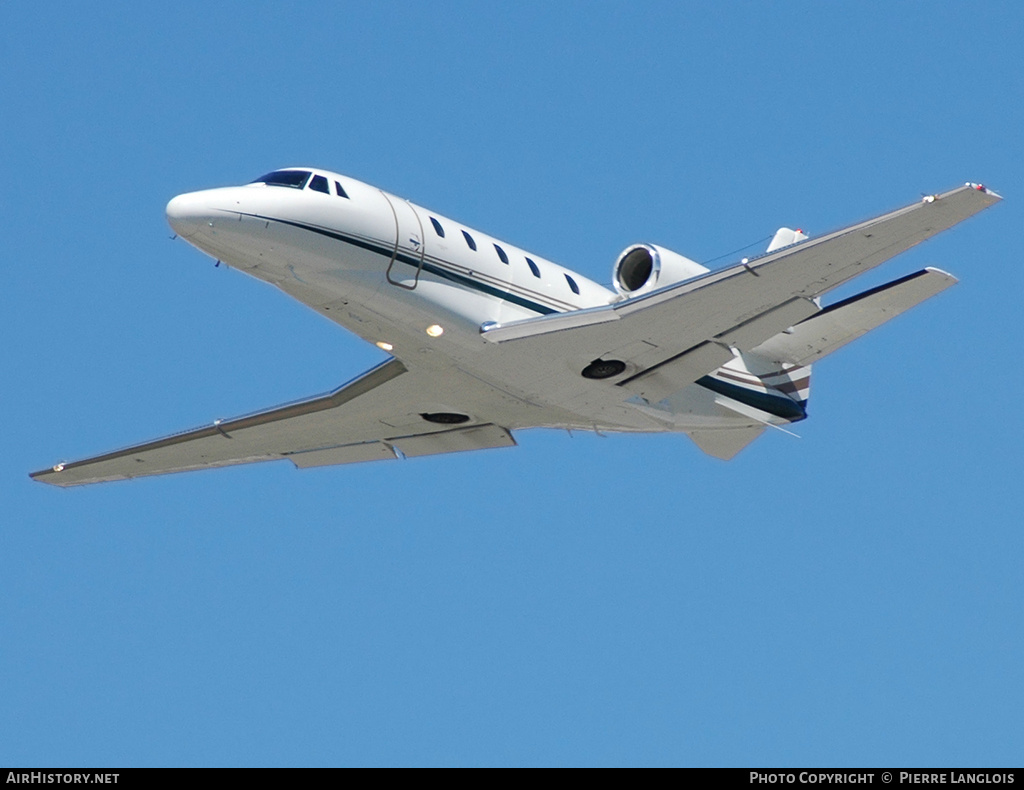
point(384, 346)
point(434, 330)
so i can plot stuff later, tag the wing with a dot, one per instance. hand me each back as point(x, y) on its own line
point(671, 337)
point(374, 417)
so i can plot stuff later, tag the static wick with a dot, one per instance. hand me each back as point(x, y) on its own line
point(746, 265)
point(780, 428)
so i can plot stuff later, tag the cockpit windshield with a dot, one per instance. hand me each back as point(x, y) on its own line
point(296, 179)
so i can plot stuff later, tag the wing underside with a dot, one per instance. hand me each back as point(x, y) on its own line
point(671, 337)
point(378, 416)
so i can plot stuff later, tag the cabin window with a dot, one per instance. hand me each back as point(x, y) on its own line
point(341, 190)
point(572, 284)
point(533, 267)
point(437, 227)
point(319, 183)
point(296, 179)
point(469, 240)
point(501, 254)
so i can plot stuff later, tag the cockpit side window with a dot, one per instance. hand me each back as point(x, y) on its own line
point(341, 190)
point(319, 183)
point(296, 179)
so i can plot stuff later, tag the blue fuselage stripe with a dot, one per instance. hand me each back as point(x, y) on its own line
point(778, 405)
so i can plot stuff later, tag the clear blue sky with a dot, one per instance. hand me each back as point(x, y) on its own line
point(853, 597)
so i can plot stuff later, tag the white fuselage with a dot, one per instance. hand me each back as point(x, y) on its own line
point(343, 248)
point(395, 273)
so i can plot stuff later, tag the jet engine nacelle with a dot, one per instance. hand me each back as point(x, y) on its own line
point(644, 267)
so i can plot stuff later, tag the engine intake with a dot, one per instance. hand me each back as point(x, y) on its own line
point(644, 267)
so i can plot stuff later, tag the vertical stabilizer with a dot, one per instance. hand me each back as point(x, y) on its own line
point(792, 380)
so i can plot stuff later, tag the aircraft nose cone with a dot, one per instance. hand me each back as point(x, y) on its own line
point(185, 214)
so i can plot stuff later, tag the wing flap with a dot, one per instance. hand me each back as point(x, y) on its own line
point(347, 454)
point(660, 381)
point(456, 440)
point(478, 437)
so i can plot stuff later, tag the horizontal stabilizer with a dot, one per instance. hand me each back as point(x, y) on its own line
point(725, 443)
point(845, 321)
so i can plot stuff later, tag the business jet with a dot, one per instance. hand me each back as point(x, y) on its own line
point(486, 339)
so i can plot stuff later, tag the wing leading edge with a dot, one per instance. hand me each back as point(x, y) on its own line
point(371, 418)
